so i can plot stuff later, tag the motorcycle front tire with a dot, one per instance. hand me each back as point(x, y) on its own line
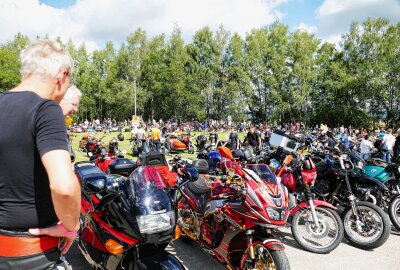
point(394, 209)
point(160, 260)
point(279, 258)
point(347, 213)
point(329, 213)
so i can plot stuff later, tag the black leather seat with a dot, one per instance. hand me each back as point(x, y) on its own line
point(199, 187)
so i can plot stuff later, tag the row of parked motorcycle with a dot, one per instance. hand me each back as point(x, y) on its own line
point(231, 203)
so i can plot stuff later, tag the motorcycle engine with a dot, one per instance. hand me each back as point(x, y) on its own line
point(189, 223)
point(212, 231)
point(323, 187)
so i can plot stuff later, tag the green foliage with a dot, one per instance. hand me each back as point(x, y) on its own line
point(270, 75)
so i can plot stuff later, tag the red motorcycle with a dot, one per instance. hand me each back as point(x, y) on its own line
point(111, 159)
point(126, 223)
point(233, 217)
point(316, 226)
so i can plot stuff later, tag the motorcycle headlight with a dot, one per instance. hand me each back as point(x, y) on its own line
point(154, 223)
point(276, 213)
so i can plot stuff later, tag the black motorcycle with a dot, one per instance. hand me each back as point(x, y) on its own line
point(126, 223)
point(365, 225)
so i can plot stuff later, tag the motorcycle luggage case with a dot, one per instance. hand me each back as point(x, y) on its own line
point(122, 166)
point(153, 159)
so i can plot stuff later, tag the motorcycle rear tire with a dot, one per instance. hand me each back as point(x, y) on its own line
point(347, 213)
point(394, 208)
point(312, 248)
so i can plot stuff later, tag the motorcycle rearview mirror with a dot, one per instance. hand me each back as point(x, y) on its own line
point(95, 185)
point(225, 152)
point(191, 174)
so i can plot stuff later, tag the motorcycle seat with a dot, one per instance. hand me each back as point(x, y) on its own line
point(198, 187)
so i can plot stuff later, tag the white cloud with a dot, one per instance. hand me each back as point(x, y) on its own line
point(336, 16)
point(306, 28)
point(96, 21)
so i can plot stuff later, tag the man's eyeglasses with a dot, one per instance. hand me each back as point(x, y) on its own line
point(76, 106)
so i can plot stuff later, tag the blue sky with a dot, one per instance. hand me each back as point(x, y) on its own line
point(297, 11)
point(294, 11)
point(59, 3)
point(94, 22)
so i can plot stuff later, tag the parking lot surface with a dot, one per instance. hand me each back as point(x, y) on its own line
point(386, 257)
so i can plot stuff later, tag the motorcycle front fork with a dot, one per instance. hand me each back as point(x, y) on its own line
point(356, 213)
point(309, 198)
point(249, 234)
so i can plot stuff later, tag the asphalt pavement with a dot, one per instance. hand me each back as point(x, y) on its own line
point(386, 257)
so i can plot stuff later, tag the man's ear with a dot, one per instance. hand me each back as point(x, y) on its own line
point(62, 76)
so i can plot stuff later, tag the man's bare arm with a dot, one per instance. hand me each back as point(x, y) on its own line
point(64, 187)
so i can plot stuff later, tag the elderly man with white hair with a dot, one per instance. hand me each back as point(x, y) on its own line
point(39, 192)
point(70, 103)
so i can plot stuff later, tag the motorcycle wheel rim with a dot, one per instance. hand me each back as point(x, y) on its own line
point(315, 236)
point(397, 211)
point(264, 259)
point(372, 227)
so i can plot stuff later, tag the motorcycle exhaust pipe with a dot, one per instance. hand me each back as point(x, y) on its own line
point(370, 198)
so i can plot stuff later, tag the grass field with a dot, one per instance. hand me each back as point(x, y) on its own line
point(125, 145)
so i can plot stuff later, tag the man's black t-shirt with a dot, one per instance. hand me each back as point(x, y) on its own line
point(30, 126)
point(252, 138)
point(233, 138)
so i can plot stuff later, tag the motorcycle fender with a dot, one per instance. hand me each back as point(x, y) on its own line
point(303, 205)
point(161, 260)
point(273, 244)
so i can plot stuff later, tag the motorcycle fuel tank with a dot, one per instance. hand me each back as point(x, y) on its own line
point(376, 172)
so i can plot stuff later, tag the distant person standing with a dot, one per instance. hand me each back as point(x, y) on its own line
point(142, 139)
point(252, 138)
point(213, 139)
point(396, 147)
point(165, 130)
point(267, 138)
point(365, 148)
point(387, 144)
point(233, 140)
point(156, 137)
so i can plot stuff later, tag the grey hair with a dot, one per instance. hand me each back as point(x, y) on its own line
point(44, 57)
point(72, 92)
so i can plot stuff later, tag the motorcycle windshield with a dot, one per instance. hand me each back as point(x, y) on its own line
point(147, 177)
point(263, 171)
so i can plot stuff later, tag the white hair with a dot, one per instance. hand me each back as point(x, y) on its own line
point(44, 57)
point(72, 92)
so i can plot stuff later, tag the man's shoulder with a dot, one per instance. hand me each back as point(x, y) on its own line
point(31, 99)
